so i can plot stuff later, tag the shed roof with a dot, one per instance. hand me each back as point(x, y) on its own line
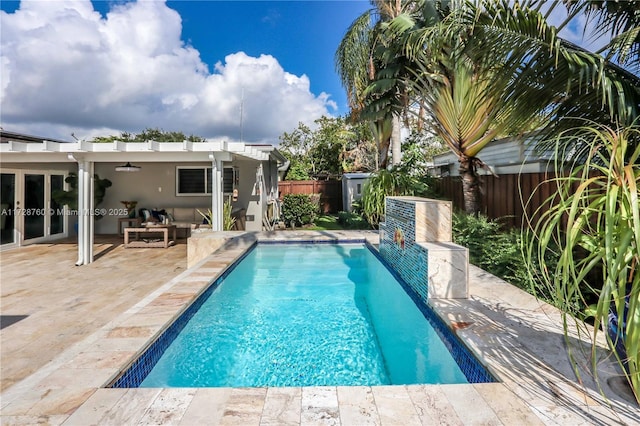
point(356, 175)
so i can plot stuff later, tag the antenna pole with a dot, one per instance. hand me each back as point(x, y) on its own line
point(241, 112)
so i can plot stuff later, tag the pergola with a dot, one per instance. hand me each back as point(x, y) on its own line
point(86, 154)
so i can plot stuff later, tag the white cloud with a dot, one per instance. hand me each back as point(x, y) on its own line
point(64, 67)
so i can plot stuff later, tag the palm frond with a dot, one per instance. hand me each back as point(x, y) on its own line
point(352, 58)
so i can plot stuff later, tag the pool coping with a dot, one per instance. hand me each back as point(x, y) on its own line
point(533, 390)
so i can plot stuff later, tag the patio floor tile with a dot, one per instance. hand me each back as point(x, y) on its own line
point(87, 323)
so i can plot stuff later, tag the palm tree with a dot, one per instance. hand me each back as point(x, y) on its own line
point(357, 59)
point(462, 97)
point(493, 69)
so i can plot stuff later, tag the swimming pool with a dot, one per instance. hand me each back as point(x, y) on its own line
point(304, 315)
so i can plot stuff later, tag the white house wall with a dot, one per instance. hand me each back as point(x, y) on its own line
point(247, 196)
point(503, 156)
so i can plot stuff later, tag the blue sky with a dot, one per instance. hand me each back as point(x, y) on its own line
point(301, 35)
point(98, 68)
point(179, 65)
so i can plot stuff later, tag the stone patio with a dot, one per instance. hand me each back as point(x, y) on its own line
point(85, 324)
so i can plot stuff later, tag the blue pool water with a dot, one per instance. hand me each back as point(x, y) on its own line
point(306, 315)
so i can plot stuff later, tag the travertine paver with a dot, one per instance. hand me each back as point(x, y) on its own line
point(67, 303)
point(169, 407)
point(517, 337)
point(320, 406)
point(506, 405)
point(395, 406)
point(207, 407)
point(96, 410)
point(129, 409)
point(462, 398)
point(432, 405)
point(282, 407)
point(244, 406)
point(357, 406)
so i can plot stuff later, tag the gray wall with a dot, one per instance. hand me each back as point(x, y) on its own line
point(154, 186)
point(248, 197)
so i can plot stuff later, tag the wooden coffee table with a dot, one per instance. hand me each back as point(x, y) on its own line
point(135, 221)
point(137, 243)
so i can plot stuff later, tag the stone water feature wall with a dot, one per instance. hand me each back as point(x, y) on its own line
point(415, 240)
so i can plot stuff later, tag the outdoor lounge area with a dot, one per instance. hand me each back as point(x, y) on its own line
point(54, 371)
point(170, 183)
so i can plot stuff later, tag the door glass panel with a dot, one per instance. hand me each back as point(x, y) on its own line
point(7, 208)
point(34, 208)
point(57, 217)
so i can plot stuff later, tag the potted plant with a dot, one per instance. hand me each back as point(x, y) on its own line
point(227, 218)
point(131, 208)
point(70, 197)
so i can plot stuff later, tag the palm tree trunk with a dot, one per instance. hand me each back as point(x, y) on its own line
point(470, 186)
point(396, 152)
point(383, 150)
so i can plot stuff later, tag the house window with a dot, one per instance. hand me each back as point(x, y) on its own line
point(193, 180)
point(227, 180)
point(199, 180)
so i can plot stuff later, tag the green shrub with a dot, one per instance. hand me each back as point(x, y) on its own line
point(300, 209)
point(386, 183)
point(352, 220)
point(298, 171)
point(496, 250)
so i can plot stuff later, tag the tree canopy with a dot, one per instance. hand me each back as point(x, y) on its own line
point(150, 134)
point(475, 71)
point(332, 148)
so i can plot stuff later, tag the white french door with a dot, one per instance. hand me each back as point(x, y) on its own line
point(29, 213)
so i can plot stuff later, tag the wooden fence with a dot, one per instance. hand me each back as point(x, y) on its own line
point(330, 192)
point(504, 196)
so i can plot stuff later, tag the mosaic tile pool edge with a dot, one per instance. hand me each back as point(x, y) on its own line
point(473, 370)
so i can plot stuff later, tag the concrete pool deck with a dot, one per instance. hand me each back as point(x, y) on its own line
point(87, 323)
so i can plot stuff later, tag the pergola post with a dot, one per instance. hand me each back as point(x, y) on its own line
point(90, 212)
point(85, 212)
point(216, 193)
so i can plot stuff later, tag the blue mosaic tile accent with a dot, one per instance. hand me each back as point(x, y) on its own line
point(473, 370)
point(294, 242)
point(135, 374)
point(410, 259)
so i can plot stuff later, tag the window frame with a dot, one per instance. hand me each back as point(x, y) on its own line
point(207, 171)
point(235, 179)
point(204, 170)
